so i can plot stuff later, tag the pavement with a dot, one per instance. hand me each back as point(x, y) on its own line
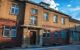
point(67, 47)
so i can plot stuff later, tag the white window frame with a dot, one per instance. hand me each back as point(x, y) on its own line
point(4, 31)
point(55, 19)
point(46, 17)
point(33, 20)
point(15, 7)
point(63, 20)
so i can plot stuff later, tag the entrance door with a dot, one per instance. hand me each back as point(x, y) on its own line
point(32, 37)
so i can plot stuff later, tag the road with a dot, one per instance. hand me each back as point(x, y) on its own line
point(68, 47)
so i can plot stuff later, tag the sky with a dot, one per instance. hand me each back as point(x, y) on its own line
point(69, 7)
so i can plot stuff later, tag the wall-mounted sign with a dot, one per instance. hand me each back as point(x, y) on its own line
point(48, 26)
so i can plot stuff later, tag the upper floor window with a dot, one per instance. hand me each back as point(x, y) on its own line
point(9, 32)
point(63, 20)
point(46, 16)
point(14, 9)
point(0, 3)
point(55, 19)
point(34, 11)
point(33, 20)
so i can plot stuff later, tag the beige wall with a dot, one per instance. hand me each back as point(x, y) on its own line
point(5, 10)
point(40, 18)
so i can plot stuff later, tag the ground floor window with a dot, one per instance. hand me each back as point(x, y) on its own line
point(9, 31)
point(63, 35)
point(6, 31)
point(74, 36)
point(56, 35)
point(13, 32)
point(46, 33)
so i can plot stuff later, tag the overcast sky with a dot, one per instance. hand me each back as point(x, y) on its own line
point(70, 7)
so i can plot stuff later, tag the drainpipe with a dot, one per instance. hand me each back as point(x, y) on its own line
point(20, 21)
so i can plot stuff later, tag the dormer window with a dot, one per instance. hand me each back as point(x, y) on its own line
point(14, 9)
point(44, 5)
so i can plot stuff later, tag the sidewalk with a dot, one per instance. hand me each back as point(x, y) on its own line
point(67, 47)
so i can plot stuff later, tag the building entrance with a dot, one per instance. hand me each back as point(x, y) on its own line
point(33, 37)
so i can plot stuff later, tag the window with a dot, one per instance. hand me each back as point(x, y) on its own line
point(33, 20)
point(55, 19)
point(75, 36)
point(48, 34)
point(63, 20)
point(34, 11)
point(44, 34)
point(46, 16)
point(14, 9)
point(13, 32)
point(63, 35)
point(0, 2)
point(45, 5)
point(55, 34)
point(6, 32)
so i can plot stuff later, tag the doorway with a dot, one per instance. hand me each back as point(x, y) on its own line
point(33, 37)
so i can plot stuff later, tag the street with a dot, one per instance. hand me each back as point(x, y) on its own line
point(68, 47)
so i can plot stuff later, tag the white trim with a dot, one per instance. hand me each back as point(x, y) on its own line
point(15, 8)
point(55, 19)
point(63, 20)
point(4, 31)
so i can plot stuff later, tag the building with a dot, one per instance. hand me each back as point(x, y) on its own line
point(7, 23)
point(36, 24)
point(75, 32)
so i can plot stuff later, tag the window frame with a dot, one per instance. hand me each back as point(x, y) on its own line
point(11, 33)
point(63, 20)
point(48, 34)
point(35, 10)
point(15, 7)
point(46, 16)
point(55, 18)
point(32, 22)
point(4, 31)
